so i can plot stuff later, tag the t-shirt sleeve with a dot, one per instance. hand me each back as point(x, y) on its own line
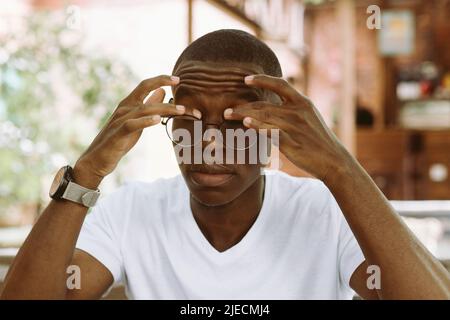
point(350, 253)
point(100, 235)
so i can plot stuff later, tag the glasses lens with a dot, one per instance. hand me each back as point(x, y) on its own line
point(180, 130)
point(237, 136)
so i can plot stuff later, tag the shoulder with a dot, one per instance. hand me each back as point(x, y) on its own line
point(136, 196)
point(135, 205)
point(297, 186)
point(157, 189)
point(303, 195)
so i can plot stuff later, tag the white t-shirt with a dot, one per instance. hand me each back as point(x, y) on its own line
point(299, 247)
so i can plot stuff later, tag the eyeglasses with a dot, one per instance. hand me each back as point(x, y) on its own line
point(188, 131)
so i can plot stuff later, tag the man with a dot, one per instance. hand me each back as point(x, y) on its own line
point(224, 231)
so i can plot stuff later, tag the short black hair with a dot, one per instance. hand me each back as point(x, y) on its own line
point(232, 45)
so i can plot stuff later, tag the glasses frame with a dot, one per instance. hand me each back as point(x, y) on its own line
point(165, 120)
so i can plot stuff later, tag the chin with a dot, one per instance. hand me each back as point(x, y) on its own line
point(212, 199)
point(216, 187)
point(214, 196)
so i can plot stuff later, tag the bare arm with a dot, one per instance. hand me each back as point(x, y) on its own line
point(408, 270)
point(39, 270)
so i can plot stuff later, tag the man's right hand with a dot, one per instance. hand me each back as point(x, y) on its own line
point(33, 274)
point(124, 129)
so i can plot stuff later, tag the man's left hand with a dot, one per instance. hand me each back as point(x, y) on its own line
point(304, 137)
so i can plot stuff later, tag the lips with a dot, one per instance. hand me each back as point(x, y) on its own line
point(211, 176)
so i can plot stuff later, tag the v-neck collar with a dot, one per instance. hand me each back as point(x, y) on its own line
point(243, 245)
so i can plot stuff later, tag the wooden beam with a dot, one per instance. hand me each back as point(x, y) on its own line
point(190, 31)
point(345, 10)
point(239, 15)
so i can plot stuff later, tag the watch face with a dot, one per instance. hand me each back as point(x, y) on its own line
point(57, 181)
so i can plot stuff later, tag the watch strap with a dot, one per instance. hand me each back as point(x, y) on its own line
point(76, 193)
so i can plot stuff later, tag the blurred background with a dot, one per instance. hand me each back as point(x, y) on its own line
point(378, 71)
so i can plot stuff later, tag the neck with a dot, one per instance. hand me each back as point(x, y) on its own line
point(224, 226)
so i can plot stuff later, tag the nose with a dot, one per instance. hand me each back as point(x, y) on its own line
point(212, 136)
point(213, 147)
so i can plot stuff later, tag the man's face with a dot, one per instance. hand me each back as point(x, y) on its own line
point(211, 88)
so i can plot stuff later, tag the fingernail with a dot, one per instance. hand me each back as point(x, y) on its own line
point(197, 114)
point(179, 107)
point(247, 120)
point(156, 118)
point(175, 79)
point(249, 79)
point(228, 112)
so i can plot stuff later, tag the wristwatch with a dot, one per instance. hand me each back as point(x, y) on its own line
point(63, 187)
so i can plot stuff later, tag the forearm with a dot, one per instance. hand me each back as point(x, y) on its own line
point(408, 270)
point(39, 269)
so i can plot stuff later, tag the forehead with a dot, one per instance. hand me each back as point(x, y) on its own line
point(200, 80)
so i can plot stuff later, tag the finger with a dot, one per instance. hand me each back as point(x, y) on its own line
point(133, 125)
point(121, 112)
point(277, 85)
point(118, 114)
point(272, 131)
point(194, 112)
point(156, 97)
point(148, 85)
point(160, 109)
point(191, 111)
point(281, 118)
point(248, 109)
point(250, 122)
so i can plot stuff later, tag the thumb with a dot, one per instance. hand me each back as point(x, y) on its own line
point(156, 97)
